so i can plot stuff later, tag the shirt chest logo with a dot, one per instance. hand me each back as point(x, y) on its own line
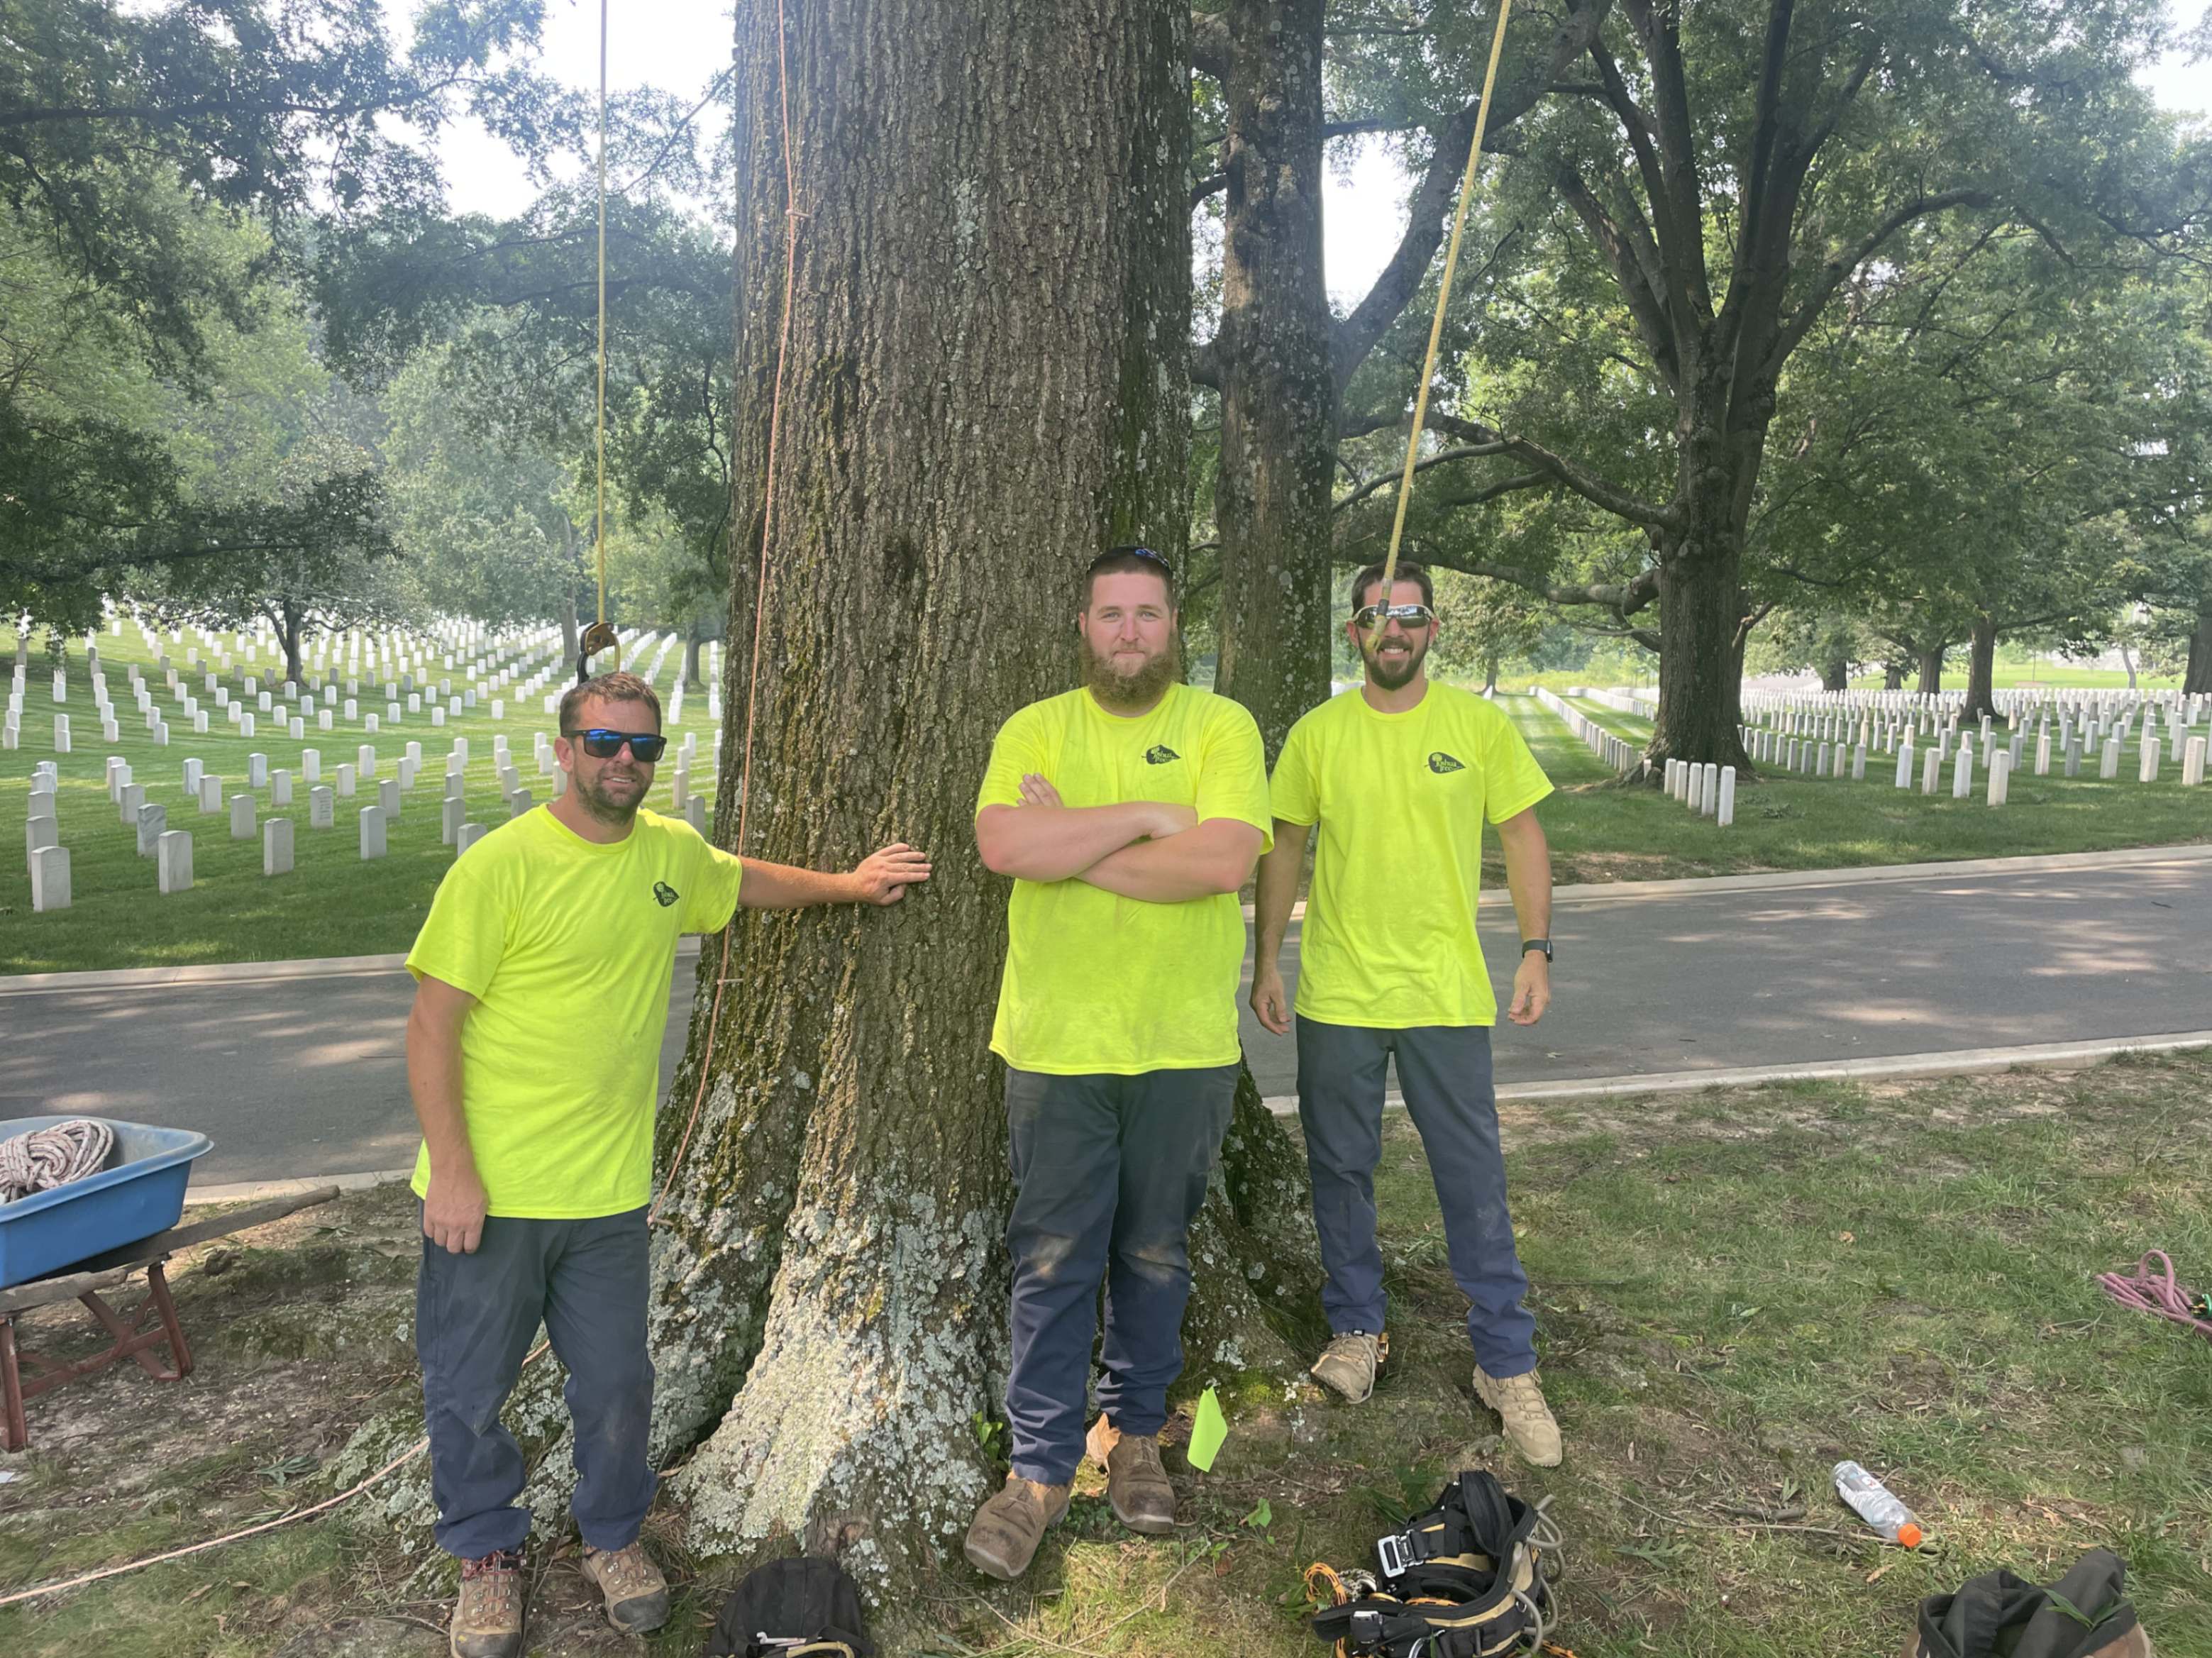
point(1440, 762)
point(666, 894)
point(1160, 753)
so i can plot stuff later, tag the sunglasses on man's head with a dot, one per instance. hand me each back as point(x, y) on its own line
point(603, 744)
point(1132, 552)
point(1412, 617)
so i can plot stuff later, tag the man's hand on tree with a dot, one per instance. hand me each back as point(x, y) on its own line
point(453, 1211)
point(883, 876)
point(1269, 1005)
point(1532, 989)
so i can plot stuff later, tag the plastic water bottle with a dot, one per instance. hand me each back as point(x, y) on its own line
point(1876, 1506)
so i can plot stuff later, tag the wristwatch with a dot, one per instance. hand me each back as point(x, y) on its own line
point(1544, 944)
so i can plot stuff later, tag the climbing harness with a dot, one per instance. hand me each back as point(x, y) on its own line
point(1443, 298)
point(1467, 1579)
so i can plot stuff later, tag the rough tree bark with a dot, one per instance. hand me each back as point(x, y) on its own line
point(1836, 673)
point(985, 384)
point(1931, 671)
point(695, 636)
point(1277, 461)
point(1893, 676)
point(1981, 668)
point(2196, 679)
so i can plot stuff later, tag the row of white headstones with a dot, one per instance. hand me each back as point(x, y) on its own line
point(1812, 736)
point(171, 849)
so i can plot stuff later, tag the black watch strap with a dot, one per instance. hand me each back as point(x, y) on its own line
point(1544, 944)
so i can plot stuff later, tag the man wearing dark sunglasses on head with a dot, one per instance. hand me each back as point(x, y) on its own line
point(1400, 775)
point(1129, 811)
point(542, 974)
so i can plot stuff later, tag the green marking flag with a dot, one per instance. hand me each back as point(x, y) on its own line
point(1208, 1430)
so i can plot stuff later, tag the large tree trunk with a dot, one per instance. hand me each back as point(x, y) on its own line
point(1981, 669)
point(1836, 674)
point(1893, 676)
point(695, 636)
point(1271, 495)
point(1931, 671)
point(2196, 680)
point(288, 630)
point(957, 437)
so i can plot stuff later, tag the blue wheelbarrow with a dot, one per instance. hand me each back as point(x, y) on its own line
point(77, 1240)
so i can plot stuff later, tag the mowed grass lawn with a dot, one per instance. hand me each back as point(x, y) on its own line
point(333, 904)
point(1734, 1291)
point(1602, 830)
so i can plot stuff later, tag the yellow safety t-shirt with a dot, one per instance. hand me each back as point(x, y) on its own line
point(1095, 982)
point(568, 947)
point(1389, 940)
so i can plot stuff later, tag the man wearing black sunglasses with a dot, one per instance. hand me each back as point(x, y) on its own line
point(1400, 775)
point(1129, 811)
point(543, 974)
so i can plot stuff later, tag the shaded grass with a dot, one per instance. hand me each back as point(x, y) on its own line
point(332, 903)
point(1735, 1289)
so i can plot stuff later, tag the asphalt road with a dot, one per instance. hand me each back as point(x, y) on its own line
point(296, 1075)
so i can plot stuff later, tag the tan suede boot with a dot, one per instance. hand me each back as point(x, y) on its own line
point(1137, 1488)
point(636, 1592)
point(1003, 1537)
point(1527, 1419)
point(488, 1614)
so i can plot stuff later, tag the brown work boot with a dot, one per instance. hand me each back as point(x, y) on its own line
point(487, 1616)
point(1137, 1488)
point(1350, 1362)
point(1527, 1419)
point(637, 1594)
point(1003, 1537)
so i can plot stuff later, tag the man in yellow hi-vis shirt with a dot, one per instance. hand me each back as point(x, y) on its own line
point(1129, 811)
point(533, 1053)
point(1402, 774)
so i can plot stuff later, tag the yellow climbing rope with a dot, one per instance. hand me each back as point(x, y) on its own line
point(1444, 298)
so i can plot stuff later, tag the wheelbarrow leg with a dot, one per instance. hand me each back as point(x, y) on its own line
point(15, 1431)
point(159, 1284)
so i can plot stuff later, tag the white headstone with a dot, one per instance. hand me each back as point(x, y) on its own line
point(241, 817)
point(1931, 768)
point(2192, 762)
point(152, 823)
point(322, 807)
point(276, 847)
point(2109, 764)
point(50, 879)
point(1904, 764)
point(387, 796)
point(345, 782)
point(2000, 776)
point(518, 803)
point(1724, 813)
point(128, 800)
point(40, 833)
point(257, 771)
point(61, 733)
point(173, 861)
point(210, 795)
point(372, 831)
point(2148, 771)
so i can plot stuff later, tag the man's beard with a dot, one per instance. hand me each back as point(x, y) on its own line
point(1137, 691)
point(1397, 678)
point(603, 806)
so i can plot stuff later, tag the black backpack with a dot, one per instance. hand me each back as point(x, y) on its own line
point(802, 1607)
point(1464, 1580)
point(2086, 1614)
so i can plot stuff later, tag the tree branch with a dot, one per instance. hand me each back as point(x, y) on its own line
point(1795, 327)
point(1209, 44)
point(1588, 485)
point(1402, 278)
point(1463, 452)
point(1624, 598)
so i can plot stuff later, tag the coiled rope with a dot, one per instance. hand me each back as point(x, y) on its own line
point(46, 1158)
point(2156, 1292)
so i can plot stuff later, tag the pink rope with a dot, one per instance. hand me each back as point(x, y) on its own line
point(2156, 1292)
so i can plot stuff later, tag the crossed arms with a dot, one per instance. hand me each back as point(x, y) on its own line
point(1152, 850)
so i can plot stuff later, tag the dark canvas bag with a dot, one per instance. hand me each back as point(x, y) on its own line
point(2086, 1614)
point(802, 1607)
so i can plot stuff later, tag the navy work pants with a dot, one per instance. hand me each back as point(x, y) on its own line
point(1110, 1173)
point(1444, 1072)
point(476, 1317)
